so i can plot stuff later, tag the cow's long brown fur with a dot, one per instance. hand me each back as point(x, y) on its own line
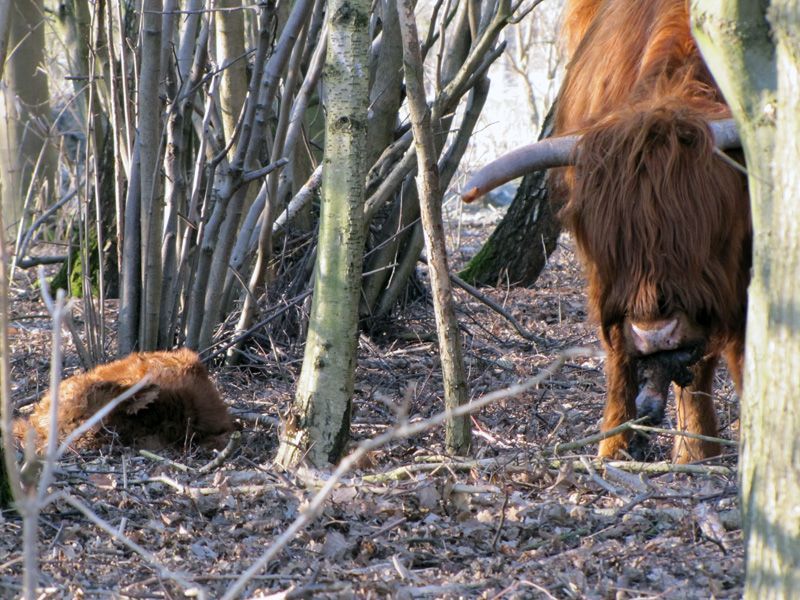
point(662, 224)
point(180, 403)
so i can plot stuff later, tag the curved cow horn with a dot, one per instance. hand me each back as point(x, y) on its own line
point(557, 152)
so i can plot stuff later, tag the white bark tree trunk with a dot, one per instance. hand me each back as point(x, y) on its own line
point(753, 51)
point(152, 208)
point(230, 53)
point(319, 424)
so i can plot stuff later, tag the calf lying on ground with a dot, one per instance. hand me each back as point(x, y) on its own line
point(177, 405)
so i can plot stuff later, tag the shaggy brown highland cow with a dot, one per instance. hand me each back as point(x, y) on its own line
point(662, 223)
point(179, 404)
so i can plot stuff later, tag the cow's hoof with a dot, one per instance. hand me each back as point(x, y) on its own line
point(613, 448)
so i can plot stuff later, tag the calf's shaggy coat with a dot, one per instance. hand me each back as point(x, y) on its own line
point(178, 404)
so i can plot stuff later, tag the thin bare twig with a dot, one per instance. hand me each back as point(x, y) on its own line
point(457, 431)
point(403, 430)
point(234, 441)
point(189, 586)
point(472, 291)
point(686, 434)
point(162, 459)
point(100, 415)
point(599, 480)
point(594, 438)
point(505, 465)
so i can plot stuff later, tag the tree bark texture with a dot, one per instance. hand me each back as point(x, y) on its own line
point(230, 57)
point(319, 422)
point(518, 248)
point(8, 463)
point(189, 173)
point(152, 208)
point(25, 118)
point(464, 52)
point(753, 49)
point(246, 158)
point(457, 430)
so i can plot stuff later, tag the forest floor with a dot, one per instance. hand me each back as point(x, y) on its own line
point(407, 523)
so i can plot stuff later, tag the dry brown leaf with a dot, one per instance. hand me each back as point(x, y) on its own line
point(344, 495)
point(335, 545)
point(104, 481)
point(428, 497)
point(565, 479)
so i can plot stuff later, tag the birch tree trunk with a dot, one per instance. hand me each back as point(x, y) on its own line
point(177, 178)
point(74, 25)
point(753, 49)
point(319, 422)
point(230, 57)
point(457, 430)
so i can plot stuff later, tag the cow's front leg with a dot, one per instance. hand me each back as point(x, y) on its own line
point(696, 414)
point(621, 383)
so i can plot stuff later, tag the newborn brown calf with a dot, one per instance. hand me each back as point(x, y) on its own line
point(178, 404)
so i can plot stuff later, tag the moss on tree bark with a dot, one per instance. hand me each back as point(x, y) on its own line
point(518, 248)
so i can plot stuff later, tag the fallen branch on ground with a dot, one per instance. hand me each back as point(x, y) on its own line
point(686, 434)
point(525, 466)
point(472, 291)
point(189, 587)
point(161, 459)
point(234, 441)
point(594, 438)
point(403, 430)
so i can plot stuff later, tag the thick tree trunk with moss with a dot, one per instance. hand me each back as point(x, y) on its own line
point(753, 49)
point(319, 422)
point(520, 245)
point(518, 248)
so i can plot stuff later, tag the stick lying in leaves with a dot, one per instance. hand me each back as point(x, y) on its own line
point(401, 431)
point(513, 466)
